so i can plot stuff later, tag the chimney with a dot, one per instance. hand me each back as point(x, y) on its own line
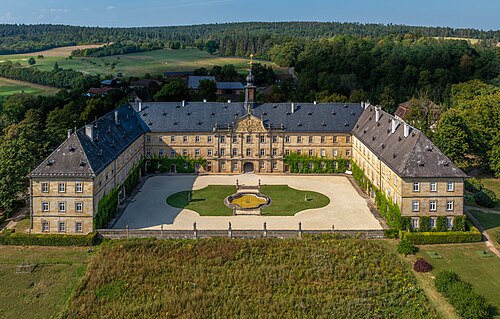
point(394, 126)
point(117, 122)
point(377, 113)
point(89, 131)
point(69, 133)
point(183, 103)
point(406, 130)
point(293, 108)
point(140, 106)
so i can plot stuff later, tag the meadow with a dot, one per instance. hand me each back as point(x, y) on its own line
point(9, 87)
point(134, 64)
point(223, 278)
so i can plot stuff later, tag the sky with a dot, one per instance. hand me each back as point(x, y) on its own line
point(479, 14)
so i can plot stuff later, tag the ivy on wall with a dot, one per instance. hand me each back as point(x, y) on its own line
point(312, 164)
point(183, 164)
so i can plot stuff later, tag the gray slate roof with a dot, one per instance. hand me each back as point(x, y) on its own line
point(203, 117)
point(412, 156)
point(194, 81)
point(83, 157)
point(230, 85)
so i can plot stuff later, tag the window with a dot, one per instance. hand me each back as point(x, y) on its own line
point(185, 165)
point(449, 205)
point(311, 152)
point(249, 139)
point(235, 166)
point(209, 139)
point(79, 207)
point(451, 187)
point(62, 227)
point(287, 152)
point(414, 223)
point(335, 165)
point(310, 165)
point(148, 138)
point(62, 207)
point(62, 187)
point(322, 165)
point(262, 165)
point(79, 187)
point(299, 152)
point(323, 139)
point(172, 153)
point(311, 139)
point(416, 187)
point(275, 151)
point(335, 139)
point(389, 174)
point(209, 152)
point(262, 139)
point(160, 152)
point(79, 227)
point(449, 223)
point(45, 207)
point(185, 152)
point(433, 187)
point(197, 152)
point(222, 152)
point(249, 152)
point(185, 139)
point(197, 139)
point(148, 152)
point(275, 165)
point(172, 139)
point(432, 222)
point(275, 139)
point(395, 181)
point(415, 206)
point(223, 166)
point(299, 139)
point(160, 138)
point(348, 152)
point(45, 226)
point(287, 139)
point(395, 200)
point(323, 153)
point(235, 152)
point(262, 152)
point(432, 205)
point(45, 187)
point(222, 139)
point(347, 139)
point(335, 152)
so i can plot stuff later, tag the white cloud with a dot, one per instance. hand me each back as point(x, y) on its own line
point(7, 17)
point(53, 10)
point(110, 7)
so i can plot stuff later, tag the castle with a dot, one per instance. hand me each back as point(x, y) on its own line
point(236, 138)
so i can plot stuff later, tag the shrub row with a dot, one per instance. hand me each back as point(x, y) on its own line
point(183, 164)
point(9, 237)
point(460, 294)
point(473, 185)
point(486, 198)
point(305, 164)
point(450, 237)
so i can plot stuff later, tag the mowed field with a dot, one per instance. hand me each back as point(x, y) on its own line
point(134, 64)
point(9, 87)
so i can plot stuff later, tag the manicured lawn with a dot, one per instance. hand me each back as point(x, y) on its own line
point(135, 64)
point(286, 201)
point(490, 222)
point(482, 273)
point(493, 184)
point(44, 292)
point(9, 87)
point(261, 278)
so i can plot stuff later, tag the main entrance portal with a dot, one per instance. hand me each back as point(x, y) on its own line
point(248, 167)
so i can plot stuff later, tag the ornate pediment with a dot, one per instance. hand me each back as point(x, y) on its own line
point(250, 124)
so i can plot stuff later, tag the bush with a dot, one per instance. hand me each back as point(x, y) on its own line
point(473, 185)
point(449, 237)
point(459, 223)
point(421, 265)
point(9, 237)
point(406, 248)
point(391, 233)
point(299, 163)
point(424, 223)
point(460, 294)
point(486, 198)
point(441, 224)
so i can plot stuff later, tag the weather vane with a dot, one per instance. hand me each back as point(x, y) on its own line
point(251, 59)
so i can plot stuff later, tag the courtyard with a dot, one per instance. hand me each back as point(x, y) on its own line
point(336, 203)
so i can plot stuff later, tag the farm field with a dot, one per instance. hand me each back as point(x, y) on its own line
point(227, 278)
point(464, 259)
point(44, 292)
point(134, 64)
point(9, 87)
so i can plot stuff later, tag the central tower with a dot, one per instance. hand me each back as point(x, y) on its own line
point(250, 89)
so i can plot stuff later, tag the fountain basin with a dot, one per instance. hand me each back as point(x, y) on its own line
point(247, 201)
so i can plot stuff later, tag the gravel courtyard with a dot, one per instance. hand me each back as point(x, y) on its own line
point(346, 210)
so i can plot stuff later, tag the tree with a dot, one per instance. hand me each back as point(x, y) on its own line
point(211, 46)
point(207, 89)
point(56, 66)
point(452, 136)
point(422, 114)
point(31, 61)
point(173, 91)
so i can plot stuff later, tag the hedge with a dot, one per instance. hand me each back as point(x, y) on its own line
point(486, 198)
point(449, 237)
point(473, 185)
point(183, 164)
point(9, 237)
point(299, 163)
point(461, 295)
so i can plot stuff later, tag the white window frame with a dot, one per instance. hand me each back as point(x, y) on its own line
point(432, 205)
point(449, 222)
point(433, 186)
point(323, 153)
point(262, 152)
point(197, 139)
point(148, 152)
point(79, 209)
point(79, 187)
point(61, 205)
point(209, 139)
point(185, 152)
point(415, 206)
point(210, 152)
point(449, 206)
point(45, 206)
point(222, 152)
point(311, 139)
point(248, 152)
point(61, 229)
point(450, 186)
point(262, 165)
point(235, 166)
point(311, 152)
point(185, 139)
point(275, 165)
point(262, 139)
point(432, 222)
point(172, 153)
point(287, 139)
point(235, 151)
point(47, 229)
point(275, 139)
point(197, 152)
point(76, 227)
point(415, 222)
point(416, 187)
point(61, 188)
point(45, 187)
point(335, 152)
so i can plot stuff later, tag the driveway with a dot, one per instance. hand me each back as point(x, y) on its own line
point(346, 210)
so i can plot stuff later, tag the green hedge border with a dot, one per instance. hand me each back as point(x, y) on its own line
point(449, 237)
point(293, 160)
point(10, 237)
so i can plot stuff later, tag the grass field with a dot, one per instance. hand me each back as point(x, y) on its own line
point(470, 40)
point(490, 222)
point(9, 87)
point(135, 64)
point(464, 259)
point(286, 201)
point(230, 278)
point(44, 292)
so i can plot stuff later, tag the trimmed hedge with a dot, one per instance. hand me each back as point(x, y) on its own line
point(406, 247)
point(468, 303)
point(473, 185)
point(449, 237)
point(486, 198)
point(391, 233)
point(9, 237)
point(299, 163)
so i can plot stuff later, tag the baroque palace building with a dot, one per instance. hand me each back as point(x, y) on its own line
point(237, 138)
